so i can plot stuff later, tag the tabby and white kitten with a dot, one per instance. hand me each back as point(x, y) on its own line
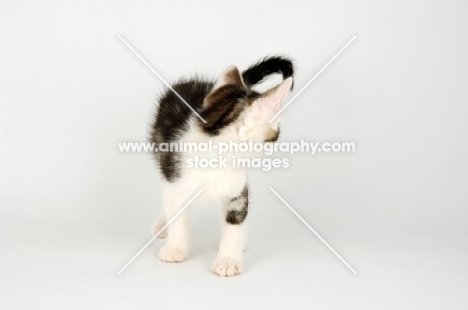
point(232, 111)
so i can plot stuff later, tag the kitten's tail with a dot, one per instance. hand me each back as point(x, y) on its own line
point(267, 66)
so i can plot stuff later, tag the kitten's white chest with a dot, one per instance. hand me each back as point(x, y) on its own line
point(219, 182)
point(227, 182)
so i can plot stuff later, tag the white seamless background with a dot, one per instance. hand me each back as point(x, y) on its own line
point(74, 210)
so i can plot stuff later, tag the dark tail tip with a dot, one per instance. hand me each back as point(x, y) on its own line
point(267, 66)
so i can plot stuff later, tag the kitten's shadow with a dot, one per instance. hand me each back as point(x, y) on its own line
point(258, 254)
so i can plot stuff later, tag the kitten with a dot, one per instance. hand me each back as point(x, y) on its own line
point(232, 111)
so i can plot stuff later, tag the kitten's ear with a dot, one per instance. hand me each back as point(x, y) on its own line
point(274, 98)
point(263, 109)
point(229, 76)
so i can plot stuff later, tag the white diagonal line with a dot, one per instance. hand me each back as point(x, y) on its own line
point(161, 230)
point(160, 77)
point(308, 83)
point(313, 230)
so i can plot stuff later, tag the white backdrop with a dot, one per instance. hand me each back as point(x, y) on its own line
point(74, 209)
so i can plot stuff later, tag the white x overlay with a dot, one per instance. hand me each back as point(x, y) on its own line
point(199, 192)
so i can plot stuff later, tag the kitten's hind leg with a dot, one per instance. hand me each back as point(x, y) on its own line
point(233, 239)
point(178, 232)
point(158, 224)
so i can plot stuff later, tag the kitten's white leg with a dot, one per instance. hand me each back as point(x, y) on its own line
point(178, 232)
point(158, 224)
point(233, 240)
point(229, 260)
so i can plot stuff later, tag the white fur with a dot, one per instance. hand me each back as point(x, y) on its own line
point(231, 248)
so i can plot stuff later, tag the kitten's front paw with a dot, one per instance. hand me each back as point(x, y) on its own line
point(172, 254)
point(226, 267)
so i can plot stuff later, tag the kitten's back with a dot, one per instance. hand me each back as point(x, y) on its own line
point(173, 115)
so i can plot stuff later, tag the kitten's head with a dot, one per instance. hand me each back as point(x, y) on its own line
point(234, 109)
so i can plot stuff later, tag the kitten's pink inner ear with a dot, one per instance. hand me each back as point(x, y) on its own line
point(284, 88)
point(276, 96)
point(229, 76)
